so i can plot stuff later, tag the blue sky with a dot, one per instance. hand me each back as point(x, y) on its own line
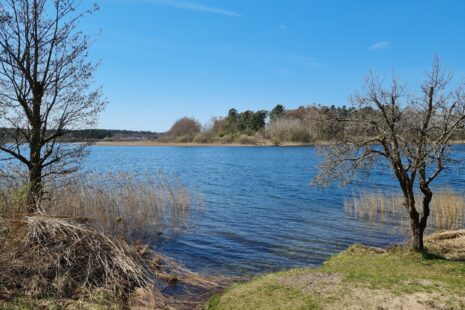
point(164, 59)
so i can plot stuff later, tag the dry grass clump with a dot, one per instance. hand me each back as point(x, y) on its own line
point(45, 256)
point(447, 208)
point(449, 244)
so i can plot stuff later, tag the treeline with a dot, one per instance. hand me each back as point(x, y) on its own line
point(6, 135)
point(302, 125)
point(110, 135)
point(306, 124)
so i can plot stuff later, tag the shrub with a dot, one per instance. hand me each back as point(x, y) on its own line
point(287, 129)
point(185, 126)
point(201, 138)
point(245, 139)
point(229, 138)
point(184, 139)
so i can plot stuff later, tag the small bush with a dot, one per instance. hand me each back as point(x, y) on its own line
point(184, 139)
point(226, 139)
point(275, 141)
point(245, 139)
point(201, 138)
point(286, 129)
point(300, 135)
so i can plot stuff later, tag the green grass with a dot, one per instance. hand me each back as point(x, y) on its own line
point(21, 303)
point(359, 277)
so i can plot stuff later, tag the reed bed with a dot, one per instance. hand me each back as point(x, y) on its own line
point(126, 206)
point(447, 208)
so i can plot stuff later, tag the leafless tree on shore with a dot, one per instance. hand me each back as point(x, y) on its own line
point(46, 86)
point(409, 132)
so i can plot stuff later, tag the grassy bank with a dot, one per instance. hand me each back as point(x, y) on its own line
point(363, 278)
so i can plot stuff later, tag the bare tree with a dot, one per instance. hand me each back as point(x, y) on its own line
point(46, 86)
point(185, 126)
point(409, 132)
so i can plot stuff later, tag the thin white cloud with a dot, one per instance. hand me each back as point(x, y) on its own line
point(380, 45)
point(192, 6)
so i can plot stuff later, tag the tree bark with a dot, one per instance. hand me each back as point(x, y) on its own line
point(427, 197)
point(35, 188)
point(417, 235)
point(35, 149)
point(415, 227)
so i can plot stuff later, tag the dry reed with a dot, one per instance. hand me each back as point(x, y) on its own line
point(447, 208)
point(126, 206)
point(76, 248)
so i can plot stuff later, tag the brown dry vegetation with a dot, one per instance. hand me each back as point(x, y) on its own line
point(43, 256)
point(126, 206)
point(447, 208)
point(86, 245)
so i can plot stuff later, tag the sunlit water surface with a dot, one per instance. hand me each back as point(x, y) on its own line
point(260, 212)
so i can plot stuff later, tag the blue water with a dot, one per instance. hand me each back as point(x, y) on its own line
point(260, 212)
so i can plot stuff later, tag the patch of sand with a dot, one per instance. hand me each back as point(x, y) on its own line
point(328, 286)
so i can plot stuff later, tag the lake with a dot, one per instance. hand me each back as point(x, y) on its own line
point(260, 212)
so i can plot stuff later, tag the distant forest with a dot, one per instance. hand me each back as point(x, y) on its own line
point(90, 135)
point(306, 124)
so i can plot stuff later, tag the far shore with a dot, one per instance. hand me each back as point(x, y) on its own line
point(192, 144)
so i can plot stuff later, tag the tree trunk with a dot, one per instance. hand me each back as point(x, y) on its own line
point(35, 188)
point(35, 161)
point(417, 235)
point(427, 197)
point(415, 227)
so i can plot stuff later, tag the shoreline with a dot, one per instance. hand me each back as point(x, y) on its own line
point(361, 277)
point(193, 144)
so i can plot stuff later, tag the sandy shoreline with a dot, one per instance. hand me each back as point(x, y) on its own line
point(190, 144)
